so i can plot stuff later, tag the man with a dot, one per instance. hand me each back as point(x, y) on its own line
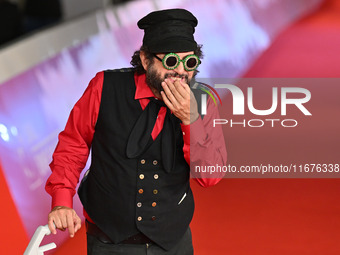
point(136, 195)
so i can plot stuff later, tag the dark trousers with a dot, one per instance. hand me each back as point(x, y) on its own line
point(96, 247)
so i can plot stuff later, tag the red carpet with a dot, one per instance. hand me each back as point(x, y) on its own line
point(12, 233)
point(278, 216)
point(309, 48)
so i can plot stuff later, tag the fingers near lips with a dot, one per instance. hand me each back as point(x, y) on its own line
point(168, 92)
point(177, 87)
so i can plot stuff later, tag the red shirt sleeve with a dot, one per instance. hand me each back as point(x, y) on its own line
point(204, 145)
point(73, 148)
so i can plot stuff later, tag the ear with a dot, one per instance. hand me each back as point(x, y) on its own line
point(144, 60)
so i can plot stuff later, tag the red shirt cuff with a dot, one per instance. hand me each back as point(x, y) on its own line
point(197, 132)
point(62, 197)
point(186, 133)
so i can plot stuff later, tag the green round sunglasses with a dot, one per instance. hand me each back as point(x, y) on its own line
point(172, 61)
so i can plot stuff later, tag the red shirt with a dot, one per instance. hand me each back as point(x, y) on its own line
point(73, 148)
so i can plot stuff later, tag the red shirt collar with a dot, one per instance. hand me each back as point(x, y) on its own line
point(142, 89)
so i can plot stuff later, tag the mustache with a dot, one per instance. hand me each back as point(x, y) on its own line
point(176, 75)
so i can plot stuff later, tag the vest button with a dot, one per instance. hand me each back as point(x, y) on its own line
point(140, 191)
point(141, 176)
point(155, 191)
point(153, 217)
point(139, 218)
point(142, 161)
point(154, 204)
point(156, 176)
point(155, 162)
point(139, 204)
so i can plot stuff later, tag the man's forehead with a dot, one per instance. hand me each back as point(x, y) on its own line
point(186, 53)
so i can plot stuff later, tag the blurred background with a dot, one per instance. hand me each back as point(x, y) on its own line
point(49, 51)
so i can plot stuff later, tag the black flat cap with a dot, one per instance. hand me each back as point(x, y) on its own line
point(169, 30)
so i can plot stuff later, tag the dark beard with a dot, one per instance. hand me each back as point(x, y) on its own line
point(154, 80)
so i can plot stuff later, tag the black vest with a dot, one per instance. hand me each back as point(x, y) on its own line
point(125, 196)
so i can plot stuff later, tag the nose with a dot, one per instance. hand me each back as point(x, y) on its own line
point(180, 68)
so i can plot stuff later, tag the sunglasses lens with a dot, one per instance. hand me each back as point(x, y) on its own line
point(191, 62)
point(171, 61)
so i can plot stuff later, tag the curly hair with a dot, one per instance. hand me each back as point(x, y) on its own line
point(137, 63)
